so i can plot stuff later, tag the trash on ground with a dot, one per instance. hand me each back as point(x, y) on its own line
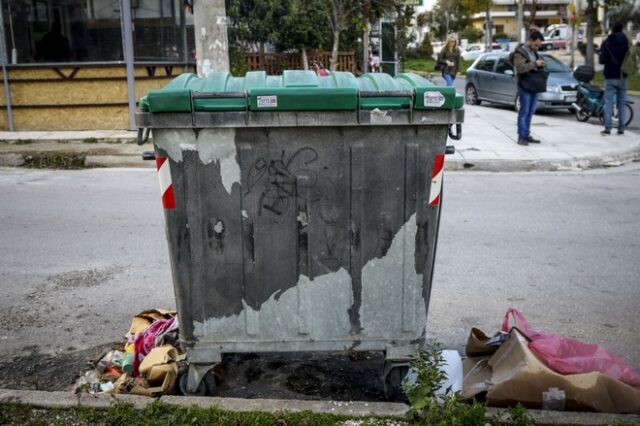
point(517, 373)
point(146, 365)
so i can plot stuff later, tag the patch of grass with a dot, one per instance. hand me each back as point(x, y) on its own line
point(428, 65)
point(159, 414)
point(633, 82)
point(89, 140)
point(54, 160)
point(23, 142)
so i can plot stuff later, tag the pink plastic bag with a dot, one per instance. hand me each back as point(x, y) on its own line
point(569, 356)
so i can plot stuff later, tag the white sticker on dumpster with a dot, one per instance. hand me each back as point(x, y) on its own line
point(433, 99)
point(267, 101)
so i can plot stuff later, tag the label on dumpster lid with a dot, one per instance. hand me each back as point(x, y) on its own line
point(267, 101)
point(433, 99)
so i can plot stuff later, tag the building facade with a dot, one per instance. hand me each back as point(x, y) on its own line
point(504, 17)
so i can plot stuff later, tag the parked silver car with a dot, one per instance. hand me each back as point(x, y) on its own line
point(491, 78)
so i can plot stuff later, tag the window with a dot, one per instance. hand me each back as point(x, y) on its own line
point(158, 32)
point(486, 64)
point(503, 65)
point(91, 30)
point(63, 30)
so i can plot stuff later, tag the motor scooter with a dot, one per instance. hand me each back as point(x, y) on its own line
point(590, 101)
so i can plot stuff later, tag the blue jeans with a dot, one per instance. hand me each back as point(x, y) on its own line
point(448, 78)
point(615, 88)
point(528, 103)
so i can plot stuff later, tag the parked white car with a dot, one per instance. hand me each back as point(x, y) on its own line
point(473, 51)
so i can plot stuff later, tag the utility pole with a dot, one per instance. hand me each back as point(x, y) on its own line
point(520, 25)
point(212, 46)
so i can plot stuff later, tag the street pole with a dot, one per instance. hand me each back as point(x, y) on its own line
point(127, 44)
point(5, 77)
point(212, 46)
point(520, 25)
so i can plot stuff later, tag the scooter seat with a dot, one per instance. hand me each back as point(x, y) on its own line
point(593, 88)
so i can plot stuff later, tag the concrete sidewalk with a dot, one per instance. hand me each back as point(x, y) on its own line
point(488, 144)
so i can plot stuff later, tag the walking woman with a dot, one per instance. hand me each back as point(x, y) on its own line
point(449, 60)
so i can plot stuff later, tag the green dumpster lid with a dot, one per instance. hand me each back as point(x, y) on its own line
point(297, 90)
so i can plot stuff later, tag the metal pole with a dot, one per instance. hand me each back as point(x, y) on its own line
point(5, 77)
point(127, 48)
point(185, 46)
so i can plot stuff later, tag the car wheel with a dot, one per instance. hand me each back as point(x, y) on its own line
point(516, 104)
point(471, 95)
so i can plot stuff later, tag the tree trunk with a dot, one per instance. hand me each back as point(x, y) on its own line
point(365, 48)
point(334, 51)
point(590, 12)
point(305, 59)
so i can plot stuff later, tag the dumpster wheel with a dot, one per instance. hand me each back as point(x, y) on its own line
point(394, 374)
point(206, 386)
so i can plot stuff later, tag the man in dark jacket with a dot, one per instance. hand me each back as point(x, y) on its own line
point(526, 61)
point(612, 55)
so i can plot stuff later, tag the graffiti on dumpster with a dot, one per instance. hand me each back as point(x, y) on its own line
point(279, 179)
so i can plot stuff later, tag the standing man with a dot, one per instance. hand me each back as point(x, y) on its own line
point(532, 80)
point(612, 55)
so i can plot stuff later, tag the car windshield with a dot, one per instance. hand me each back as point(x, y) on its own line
point(554, 65)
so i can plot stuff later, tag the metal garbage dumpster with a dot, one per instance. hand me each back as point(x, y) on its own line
point(301, 211)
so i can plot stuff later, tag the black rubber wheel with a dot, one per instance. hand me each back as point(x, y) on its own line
point(393, 390)
point(614, 121)
point(516, 104)
point(471, 95)
point(207, 386)
point(582, 115)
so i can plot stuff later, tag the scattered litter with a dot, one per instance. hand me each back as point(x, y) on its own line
point(147, 364)
point(521, 371)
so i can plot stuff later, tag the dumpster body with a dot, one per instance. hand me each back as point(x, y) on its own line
point(302, 212)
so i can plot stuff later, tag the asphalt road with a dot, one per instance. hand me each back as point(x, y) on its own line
point(563, 114)
point(81, 252)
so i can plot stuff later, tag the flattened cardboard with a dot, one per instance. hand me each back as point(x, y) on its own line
point(515, 374)
point(145, 318)
point(161, 355)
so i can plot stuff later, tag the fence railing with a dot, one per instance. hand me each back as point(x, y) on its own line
point(275, 62)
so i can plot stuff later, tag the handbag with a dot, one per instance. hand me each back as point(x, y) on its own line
point(439, 66)
point(534, 81)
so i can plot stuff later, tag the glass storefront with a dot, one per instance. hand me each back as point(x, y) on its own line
point(45, 31)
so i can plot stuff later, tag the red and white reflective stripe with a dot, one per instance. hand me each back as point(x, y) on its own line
point(436, 180)
point(166, 185)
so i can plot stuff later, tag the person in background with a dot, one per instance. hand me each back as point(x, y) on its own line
point(532, 80)
point(612, 55)
point(449, 58)
point(54, 46)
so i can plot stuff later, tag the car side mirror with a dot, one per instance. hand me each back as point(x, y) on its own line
point(509, 72)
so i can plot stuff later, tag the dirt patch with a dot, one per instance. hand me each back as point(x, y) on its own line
point(302, 376)
point(86, 278)
point(305, 376)
point(37, 371)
